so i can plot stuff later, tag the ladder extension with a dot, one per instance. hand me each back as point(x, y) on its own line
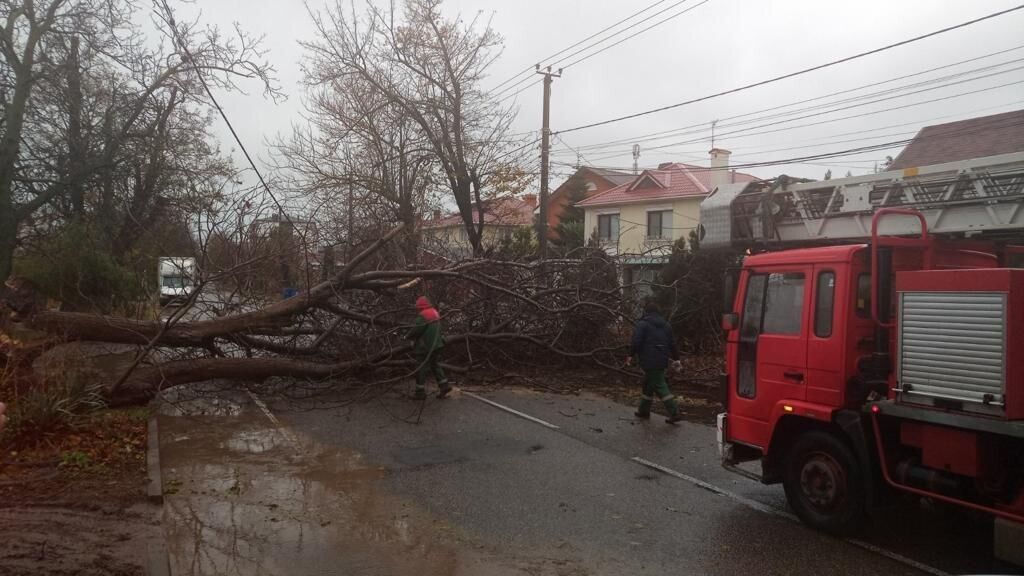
point(981, 197)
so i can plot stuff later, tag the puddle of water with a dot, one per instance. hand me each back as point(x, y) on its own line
point(254, 441)
point(235, 509)
point(197, 400)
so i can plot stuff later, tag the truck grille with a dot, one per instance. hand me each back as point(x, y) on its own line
point(952, 347)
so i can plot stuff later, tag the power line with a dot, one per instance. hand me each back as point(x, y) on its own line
point(677, 131)
point(964, 115)
point(746, 132)
point(206, 87)
point(982, 127)
point(578, 153)
point(655, 25)
point(799, 72)
point(585, 48)
point(627, 29)
point(520, 91)
point(759, 149)
point(564, 50)
point(598, 42)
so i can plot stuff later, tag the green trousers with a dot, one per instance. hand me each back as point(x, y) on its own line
point(429, 365)
point(655, 385)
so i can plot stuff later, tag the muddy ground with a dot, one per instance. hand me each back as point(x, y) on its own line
point(74, 502)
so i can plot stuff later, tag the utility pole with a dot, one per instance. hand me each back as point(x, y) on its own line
point(351, 223)
point(636, 158)
point(545, 149)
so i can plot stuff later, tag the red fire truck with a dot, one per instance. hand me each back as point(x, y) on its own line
point(875, 338)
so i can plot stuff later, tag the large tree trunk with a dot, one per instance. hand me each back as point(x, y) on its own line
point(8, 239)
point(352, 325)
point(76, 146)
point(10, 146)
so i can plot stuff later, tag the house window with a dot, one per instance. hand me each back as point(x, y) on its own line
point(608, 227)
point(643, 279)
point(659, 224)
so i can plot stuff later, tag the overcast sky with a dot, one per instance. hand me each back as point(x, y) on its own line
point(720, 44)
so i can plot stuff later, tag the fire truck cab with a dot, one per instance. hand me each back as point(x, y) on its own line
point(858, 370)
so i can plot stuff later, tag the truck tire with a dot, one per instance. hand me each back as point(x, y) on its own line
point(824, 484)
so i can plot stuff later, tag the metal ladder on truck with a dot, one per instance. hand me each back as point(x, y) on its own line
point(981, 197)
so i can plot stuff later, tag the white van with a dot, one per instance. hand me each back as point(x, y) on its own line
point(177, 278)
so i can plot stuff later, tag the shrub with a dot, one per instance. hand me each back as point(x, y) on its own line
point(692, 291)
point(77, 268)
point(55, 404)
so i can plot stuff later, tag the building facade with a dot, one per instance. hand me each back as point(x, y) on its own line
point(446, 236)
point(639, 221)
point(584, 183)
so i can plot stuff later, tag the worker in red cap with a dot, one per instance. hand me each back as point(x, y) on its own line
point(427, 345)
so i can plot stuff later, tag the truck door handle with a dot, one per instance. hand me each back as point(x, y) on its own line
point(798, 376)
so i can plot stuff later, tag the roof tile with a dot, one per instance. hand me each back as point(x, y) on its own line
point(964, 139)
point(679, 180)
point(507, 211)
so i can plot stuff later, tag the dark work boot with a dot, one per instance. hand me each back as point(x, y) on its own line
point(642, 415)
point(445, 389)
point(419, 394)
point(677, 417)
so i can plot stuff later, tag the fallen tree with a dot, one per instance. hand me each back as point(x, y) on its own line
point(351, 325)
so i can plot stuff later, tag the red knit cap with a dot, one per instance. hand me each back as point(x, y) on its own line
point(422, 303)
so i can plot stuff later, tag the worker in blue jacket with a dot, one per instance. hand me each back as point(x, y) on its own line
point(655, 346)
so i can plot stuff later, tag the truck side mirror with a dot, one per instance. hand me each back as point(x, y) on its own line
point(730, 321)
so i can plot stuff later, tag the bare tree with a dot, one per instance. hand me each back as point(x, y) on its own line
point(348, 329)
point(90, 107)
point(364, 155)
point(430, 69)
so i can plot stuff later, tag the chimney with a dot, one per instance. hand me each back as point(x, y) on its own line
point(720, 174)
point(530, 199)
point(437, 214)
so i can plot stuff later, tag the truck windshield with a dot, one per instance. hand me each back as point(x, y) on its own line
point(173, 282)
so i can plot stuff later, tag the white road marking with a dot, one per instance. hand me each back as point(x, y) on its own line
point(288, 436)
point(511, 410)
point(898, 557)
point(712, 488)
point(752, 504)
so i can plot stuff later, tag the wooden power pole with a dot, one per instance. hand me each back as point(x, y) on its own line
point(545, 149)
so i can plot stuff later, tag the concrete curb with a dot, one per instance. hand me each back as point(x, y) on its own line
point(155, 487)
point(158, 561)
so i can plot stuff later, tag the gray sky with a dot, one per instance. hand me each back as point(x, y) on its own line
point(719, 45)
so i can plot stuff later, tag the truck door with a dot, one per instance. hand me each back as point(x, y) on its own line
point(772, 351)
point(826, 337)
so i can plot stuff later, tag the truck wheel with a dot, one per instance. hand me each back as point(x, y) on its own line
point(823, 483)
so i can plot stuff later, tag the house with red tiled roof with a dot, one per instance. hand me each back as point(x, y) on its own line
point(639, 221)
point(446, 235)
point(963, 140)
point(587, 181)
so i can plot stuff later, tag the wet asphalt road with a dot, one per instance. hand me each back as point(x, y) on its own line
point(462, 487)
point(576, 493)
